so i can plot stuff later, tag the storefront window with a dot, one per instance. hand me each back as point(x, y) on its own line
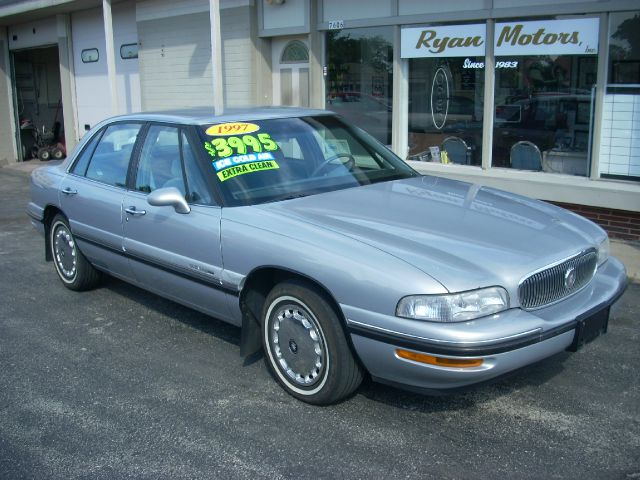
point(445, 109)
point(544, 90)
point(624, 48)
point(446, 92)
point(620, 133)
point(359, 78)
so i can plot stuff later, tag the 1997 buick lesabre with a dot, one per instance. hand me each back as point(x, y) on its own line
point(329, 251)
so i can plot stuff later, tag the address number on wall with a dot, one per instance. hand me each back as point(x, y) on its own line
point(336, 24)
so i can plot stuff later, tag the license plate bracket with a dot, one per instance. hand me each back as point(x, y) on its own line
point(590, 328)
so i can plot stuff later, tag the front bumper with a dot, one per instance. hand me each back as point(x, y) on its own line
point(506, 341)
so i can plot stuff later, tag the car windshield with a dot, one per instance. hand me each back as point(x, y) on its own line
point(278, 159)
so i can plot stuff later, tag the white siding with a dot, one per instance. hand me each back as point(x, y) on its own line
point(355, 9)
point(532, 3)
point(238, 57)
point(155, 9)
point(93, 99)
point(33, 34)
point(285, 15)
point(175, 62)
point(415, 7)
point(7, 152)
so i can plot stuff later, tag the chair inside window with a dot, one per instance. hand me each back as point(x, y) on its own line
point(526, 155)
point(176, 180)
point(457, 150)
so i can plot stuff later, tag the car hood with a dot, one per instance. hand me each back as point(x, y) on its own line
point(463, 235)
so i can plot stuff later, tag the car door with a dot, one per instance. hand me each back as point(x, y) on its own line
point(175, 254)
point(92, 192)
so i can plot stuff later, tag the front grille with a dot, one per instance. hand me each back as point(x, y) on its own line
point(554, 283)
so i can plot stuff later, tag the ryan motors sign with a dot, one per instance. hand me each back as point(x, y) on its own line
point(552, 37)
point(576, 36)
point(449, 41)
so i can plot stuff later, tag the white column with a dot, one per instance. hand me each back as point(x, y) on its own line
point(316, 59)
point(111, 57)
point(489, 82)
point(216, 56)
point(601, 90)
point(67, 83)
point(400, 110)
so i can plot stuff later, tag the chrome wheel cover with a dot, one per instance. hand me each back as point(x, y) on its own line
point(65, 253)
point(297, 345)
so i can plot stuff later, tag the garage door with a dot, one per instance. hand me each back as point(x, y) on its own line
point(175, 62)
point(93, 99)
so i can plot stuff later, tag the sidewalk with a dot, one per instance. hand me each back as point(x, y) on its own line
point(627, 252)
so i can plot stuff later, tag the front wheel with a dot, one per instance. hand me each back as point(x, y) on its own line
point(72, 267)
point(305, 345)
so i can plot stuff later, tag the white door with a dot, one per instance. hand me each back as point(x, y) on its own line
point(290, 71)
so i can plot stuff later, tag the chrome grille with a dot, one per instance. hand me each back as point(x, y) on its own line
point(554, 283)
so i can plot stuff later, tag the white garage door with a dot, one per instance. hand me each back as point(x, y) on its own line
point(93, 99)
point(175, 61)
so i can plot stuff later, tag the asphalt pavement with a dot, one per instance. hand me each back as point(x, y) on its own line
point(119, 383)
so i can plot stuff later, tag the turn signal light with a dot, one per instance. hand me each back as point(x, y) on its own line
point(439, 361)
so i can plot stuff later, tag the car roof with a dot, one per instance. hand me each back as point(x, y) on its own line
point(206, 115)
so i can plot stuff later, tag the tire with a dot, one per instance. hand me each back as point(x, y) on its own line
point(44, 154)
point(74, 270)
point(57, 153)
point(316, 364)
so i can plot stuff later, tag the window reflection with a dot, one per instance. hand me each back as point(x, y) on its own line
point(624, 48)
point(445, 109)
point(543, 109)
point(360, 78)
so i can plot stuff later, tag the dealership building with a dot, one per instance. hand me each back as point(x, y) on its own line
point(538, 97)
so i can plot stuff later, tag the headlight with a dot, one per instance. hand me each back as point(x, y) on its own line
point(454, 307)
point(603, 251)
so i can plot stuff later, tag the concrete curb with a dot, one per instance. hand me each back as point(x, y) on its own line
point(627, 252)
point(25, 167)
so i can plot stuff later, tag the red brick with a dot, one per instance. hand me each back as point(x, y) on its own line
point(618, 229)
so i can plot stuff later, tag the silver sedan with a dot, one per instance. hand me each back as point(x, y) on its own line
point(332, 254)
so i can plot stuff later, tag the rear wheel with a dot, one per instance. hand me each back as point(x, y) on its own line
point(72, 267)
point(44, 154)
point(57, 153)
point(306, 347)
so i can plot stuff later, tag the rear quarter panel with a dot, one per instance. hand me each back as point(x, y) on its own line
point(45, 184)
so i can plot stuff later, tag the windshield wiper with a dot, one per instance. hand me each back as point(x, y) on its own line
point(289, 196)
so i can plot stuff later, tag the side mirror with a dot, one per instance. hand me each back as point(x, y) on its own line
point(169, 197)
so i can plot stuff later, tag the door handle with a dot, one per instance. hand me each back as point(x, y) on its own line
point(134, 211)
point(69, 191)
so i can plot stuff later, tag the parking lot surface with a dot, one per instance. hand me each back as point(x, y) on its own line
point(119, 383)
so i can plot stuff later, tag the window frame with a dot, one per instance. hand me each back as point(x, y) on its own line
point(90, 50)
point(87, 144)
point(133, 57)
point(99, 134)
point(189, 132)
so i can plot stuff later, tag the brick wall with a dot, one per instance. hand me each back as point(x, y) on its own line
point(620, 224)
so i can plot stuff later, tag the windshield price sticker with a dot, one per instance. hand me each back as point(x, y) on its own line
point(240, 159)
point(226, 129)
point(226, 147)
point(232, 172)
